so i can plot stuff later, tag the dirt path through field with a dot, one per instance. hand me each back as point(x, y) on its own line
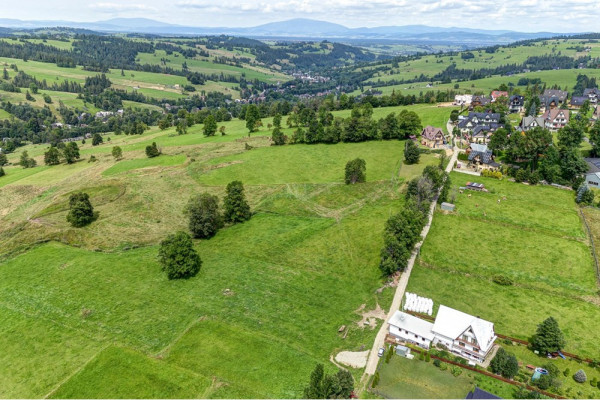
point(373, 360)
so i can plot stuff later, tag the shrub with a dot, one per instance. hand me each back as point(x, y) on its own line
point(178, 257)
point(427, 357)
point(543, 382)
point(152, 150)
point(567, 372)
point(580, 376)
point(522, 175)
point(534, 178)
point(117, 152)
point(388, 355)
point(444, 366)
point(92, 159)
point(375, 380)
point(502, 280)
point(594, 382)
point(456, 371)
point(421, 356)
point(437, 362)
point(356, 171)
point(81, 211)
point(204, 216)
point(2, 173)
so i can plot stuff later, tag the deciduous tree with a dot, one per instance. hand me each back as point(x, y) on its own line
point(205, 218)
point(52, 156)
point(117, 153)
point(356, 171)
point(81, 211)
point(178, 257)
point(210, 126)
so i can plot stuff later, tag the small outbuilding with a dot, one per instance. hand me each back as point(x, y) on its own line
point(402, 350)
point(448, 206)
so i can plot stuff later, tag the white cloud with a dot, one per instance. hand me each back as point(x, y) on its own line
point(523, 15)
point(121, 7)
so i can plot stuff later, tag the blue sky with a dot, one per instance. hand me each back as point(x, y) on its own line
point(522, 15)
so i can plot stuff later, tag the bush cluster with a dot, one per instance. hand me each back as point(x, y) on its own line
point(491, 174)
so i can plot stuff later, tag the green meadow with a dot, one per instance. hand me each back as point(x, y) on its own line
point(266, 305)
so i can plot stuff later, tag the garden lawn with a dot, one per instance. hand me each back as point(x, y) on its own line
point(402, 378)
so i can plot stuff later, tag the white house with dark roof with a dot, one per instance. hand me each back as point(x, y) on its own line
point(468, 336)
point(593, 95)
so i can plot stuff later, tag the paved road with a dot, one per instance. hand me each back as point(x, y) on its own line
point(373, 360)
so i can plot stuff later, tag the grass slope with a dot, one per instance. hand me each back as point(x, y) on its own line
point(117, 373)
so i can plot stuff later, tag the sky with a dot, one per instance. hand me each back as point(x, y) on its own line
point(521, 15)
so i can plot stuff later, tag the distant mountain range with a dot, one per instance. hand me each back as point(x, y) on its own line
point(299, 29)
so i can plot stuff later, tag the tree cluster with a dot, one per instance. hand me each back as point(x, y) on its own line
point(68, 152)
point(504, 364)
point(325, 386)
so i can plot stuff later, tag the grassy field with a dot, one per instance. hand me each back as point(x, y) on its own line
point(236, 134)
point(533, 236)
point(433, 64)
point(129, 165)
point(296, 272)
point(118, 372)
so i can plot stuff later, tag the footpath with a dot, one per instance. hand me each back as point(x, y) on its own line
point(373, 359)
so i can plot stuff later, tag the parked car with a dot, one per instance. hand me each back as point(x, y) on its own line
point(381, 351)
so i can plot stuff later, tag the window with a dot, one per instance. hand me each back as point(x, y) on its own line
point(462, 344)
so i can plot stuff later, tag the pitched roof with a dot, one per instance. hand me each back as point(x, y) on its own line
point(516, 98)
point(560, 94)
point(481, 394)
point(412, 324)
point(578, 100)
point(594, 91)
point(430, 132)
point(528, 120)
point(499, 93)
point(551, 115)
point(452, 323)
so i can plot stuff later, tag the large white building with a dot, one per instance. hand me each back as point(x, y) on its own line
point(411, 329)
point(465, 335)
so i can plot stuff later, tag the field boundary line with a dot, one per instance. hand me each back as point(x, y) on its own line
point(162, 352)
point(589, 231)
point(85, 364)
